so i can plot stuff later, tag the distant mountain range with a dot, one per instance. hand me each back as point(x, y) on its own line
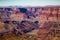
point(30, 6)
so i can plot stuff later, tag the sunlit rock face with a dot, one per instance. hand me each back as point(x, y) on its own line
point(17, 17)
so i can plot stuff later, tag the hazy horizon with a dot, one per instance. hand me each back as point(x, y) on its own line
point(29, 2)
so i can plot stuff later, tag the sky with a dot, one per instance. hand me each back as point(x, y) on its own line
point(29, 2)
